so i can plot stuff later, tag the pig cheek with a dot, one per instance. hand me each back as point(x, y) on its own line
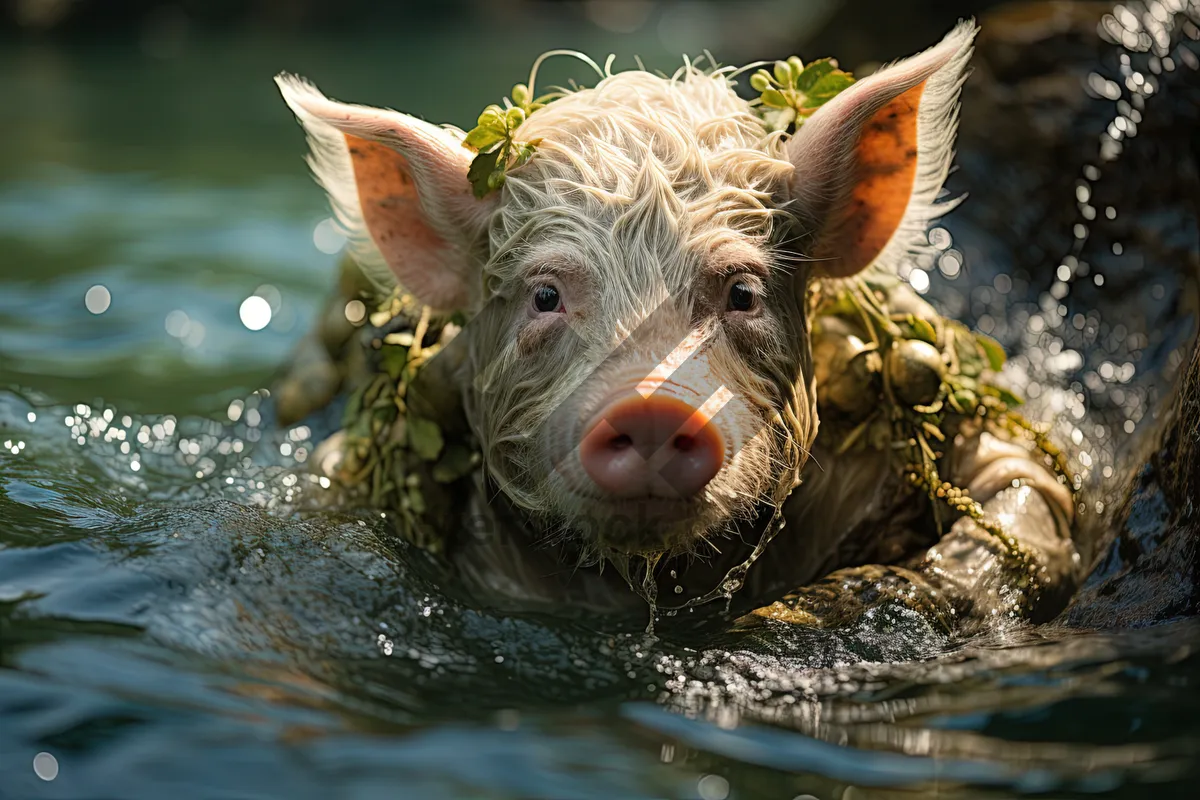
point(538, 333)
point(753, 424)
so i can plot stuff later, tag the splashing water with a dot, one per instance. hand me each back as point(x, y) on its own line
point(179, 606)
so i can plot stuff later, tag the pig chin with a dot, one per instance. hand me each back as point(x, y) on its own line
point(647, 524)
point(658, 520)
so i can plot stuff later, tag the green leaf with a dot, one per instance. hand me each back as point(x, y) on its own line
point(416, 500)
point(454, 464)
point(424, 437)
point(971, 359)
point(1009, 398)
point(481, 171)
point(771, 97)
point(393, 360)
point(826, 88)
point(482, 138)
point(916, 328)
point(813, 73)
point(993, 350)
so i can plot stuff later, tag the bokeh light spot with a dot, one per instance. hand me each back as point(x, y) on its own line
point(255, 313)
point(919, 279)
point(97, 299)
point(356, 311)
point(713, 787)
point(45, 766)
point(327, 238)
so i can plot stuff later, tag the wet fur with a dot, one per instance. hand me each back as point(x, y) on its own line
point(645, 193)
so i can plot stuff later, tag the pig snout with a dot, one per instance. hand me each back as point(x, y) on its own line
point(656, 446)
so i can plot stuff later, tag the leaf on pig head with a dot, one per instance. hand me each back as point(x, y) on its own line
point(793, 91)
point(813, 73)
point(482, 138)
point(826, 88)
point(774, 98)
point(483, 167)
point(525, 152)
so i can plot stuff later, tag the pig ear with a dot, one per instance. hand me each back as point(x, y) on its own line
point(399, 188)
point(870, 163)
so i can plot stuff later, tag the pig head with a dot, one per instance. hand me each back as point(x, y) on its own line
point(638, 371)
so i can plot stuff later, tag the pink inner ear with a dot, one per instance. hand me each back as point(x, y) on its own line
point(886, 168)
point(421, 259)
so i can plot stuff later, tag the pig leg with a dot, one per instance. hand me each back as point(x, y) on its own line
point(970, 575)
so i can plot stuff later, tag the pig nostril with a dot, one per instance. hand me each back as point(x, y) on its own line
point(620, 442)
point(684, 443)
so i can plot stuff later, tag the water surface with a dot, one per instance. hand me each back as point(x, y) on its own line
point(175, 620)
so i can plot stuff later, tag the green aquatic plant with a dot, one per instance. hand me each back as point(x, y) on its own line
point(899, 382)
point(393, 457)
point(913, 379)
point(891, 374)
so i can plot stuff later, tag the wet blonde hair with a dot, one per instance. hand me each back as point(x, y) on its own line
point(658, 170)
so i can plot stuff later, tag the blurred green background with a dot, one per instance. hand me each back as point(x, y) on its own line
point(144, 149)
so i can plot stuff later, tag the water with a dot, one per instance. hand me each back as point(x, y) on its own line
point(197, 626)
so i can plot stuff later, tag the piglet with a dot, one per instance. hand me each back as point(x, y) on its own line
point(637, 370)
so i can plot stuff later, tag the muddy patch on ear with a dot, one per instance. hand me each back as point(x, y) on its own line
point(391, 210)
point(388, 195)
point(887, 169)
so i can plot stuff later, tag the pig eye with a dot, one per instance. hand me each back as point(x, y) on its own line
point(547, 299)
point(741, 297)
